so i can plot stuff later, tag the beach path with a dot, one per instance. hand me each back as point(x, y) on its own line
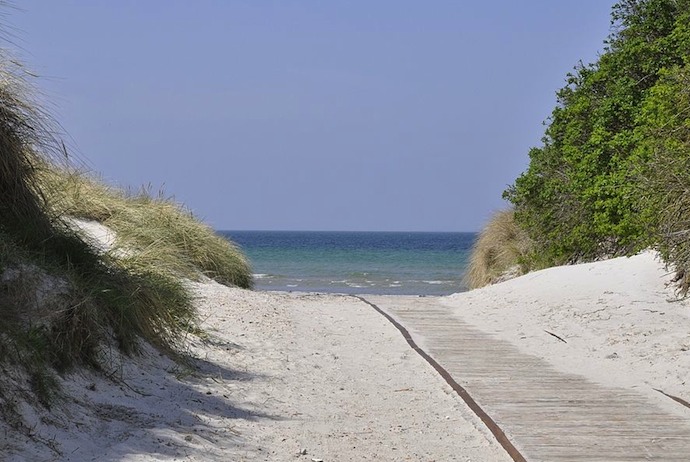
point(546, 413)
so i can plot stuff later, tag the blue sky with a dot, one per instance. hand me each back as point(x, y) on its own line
point(306, 115)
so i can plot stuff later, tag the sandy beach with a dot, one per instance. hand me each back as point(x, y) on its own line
point(620, 319)
point(252, 234)
point(277, 377)
point(288, 376)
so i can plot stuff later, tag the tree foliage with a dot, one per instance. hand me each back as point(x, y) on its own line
point(594, 187)
point(664, 189)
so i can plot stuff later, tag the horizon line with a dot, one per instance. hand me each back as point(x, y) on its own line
point(336, 231)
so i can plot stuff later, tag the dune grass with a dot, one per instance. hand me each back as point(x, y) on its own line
point(23, 127)
point(155, 228)
point(135, 290)
point(502, 250)
point(64, 301)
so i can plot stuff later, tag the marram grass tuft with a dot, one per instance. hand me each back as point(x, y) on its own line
point(501, 250)
point(159, 230)
point(64, 302)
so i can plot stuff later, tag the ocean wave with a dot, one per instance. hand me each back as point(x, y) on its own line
point(435, 282)
point(358, 274)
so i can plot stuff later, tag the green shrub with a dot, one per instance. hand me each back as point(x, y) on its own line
point(579, 198)
point(664, 153)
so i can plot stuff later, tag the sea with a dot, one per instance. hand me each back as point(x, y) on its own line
point(385, 263)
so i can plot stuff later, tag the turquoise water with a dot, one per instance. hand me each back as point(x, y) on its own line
point(357, 262)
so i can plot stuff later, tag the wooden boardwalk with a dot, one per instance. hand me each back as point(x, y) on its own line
point(546, 414)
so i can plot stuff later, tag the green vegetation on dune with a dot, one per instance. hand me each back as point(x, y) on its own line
point(155, 230)
point(64, 301)
point(664, 189)
point(612, 177)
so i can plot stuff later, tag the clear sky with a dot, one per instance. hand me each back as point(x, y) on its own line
point(309, 115)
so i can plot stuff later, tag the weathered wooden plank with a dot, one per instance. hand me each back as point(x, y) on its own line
point(547, 414)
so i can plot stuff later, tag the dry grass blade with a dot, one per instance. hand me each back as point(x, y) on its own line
point(156, 228)
point(502, 247)
point(100, 297)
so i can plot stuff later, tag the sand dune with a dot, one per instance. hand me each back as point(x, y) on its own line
point(621, 321)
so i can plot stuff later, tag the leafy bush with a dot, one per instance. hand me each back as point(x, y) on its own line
point(580, 196)
point(664, 186)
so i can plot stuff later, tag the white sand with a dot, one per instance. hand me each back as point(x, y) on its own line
point(96, 234)
point(281, 373)
point(621, 320)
